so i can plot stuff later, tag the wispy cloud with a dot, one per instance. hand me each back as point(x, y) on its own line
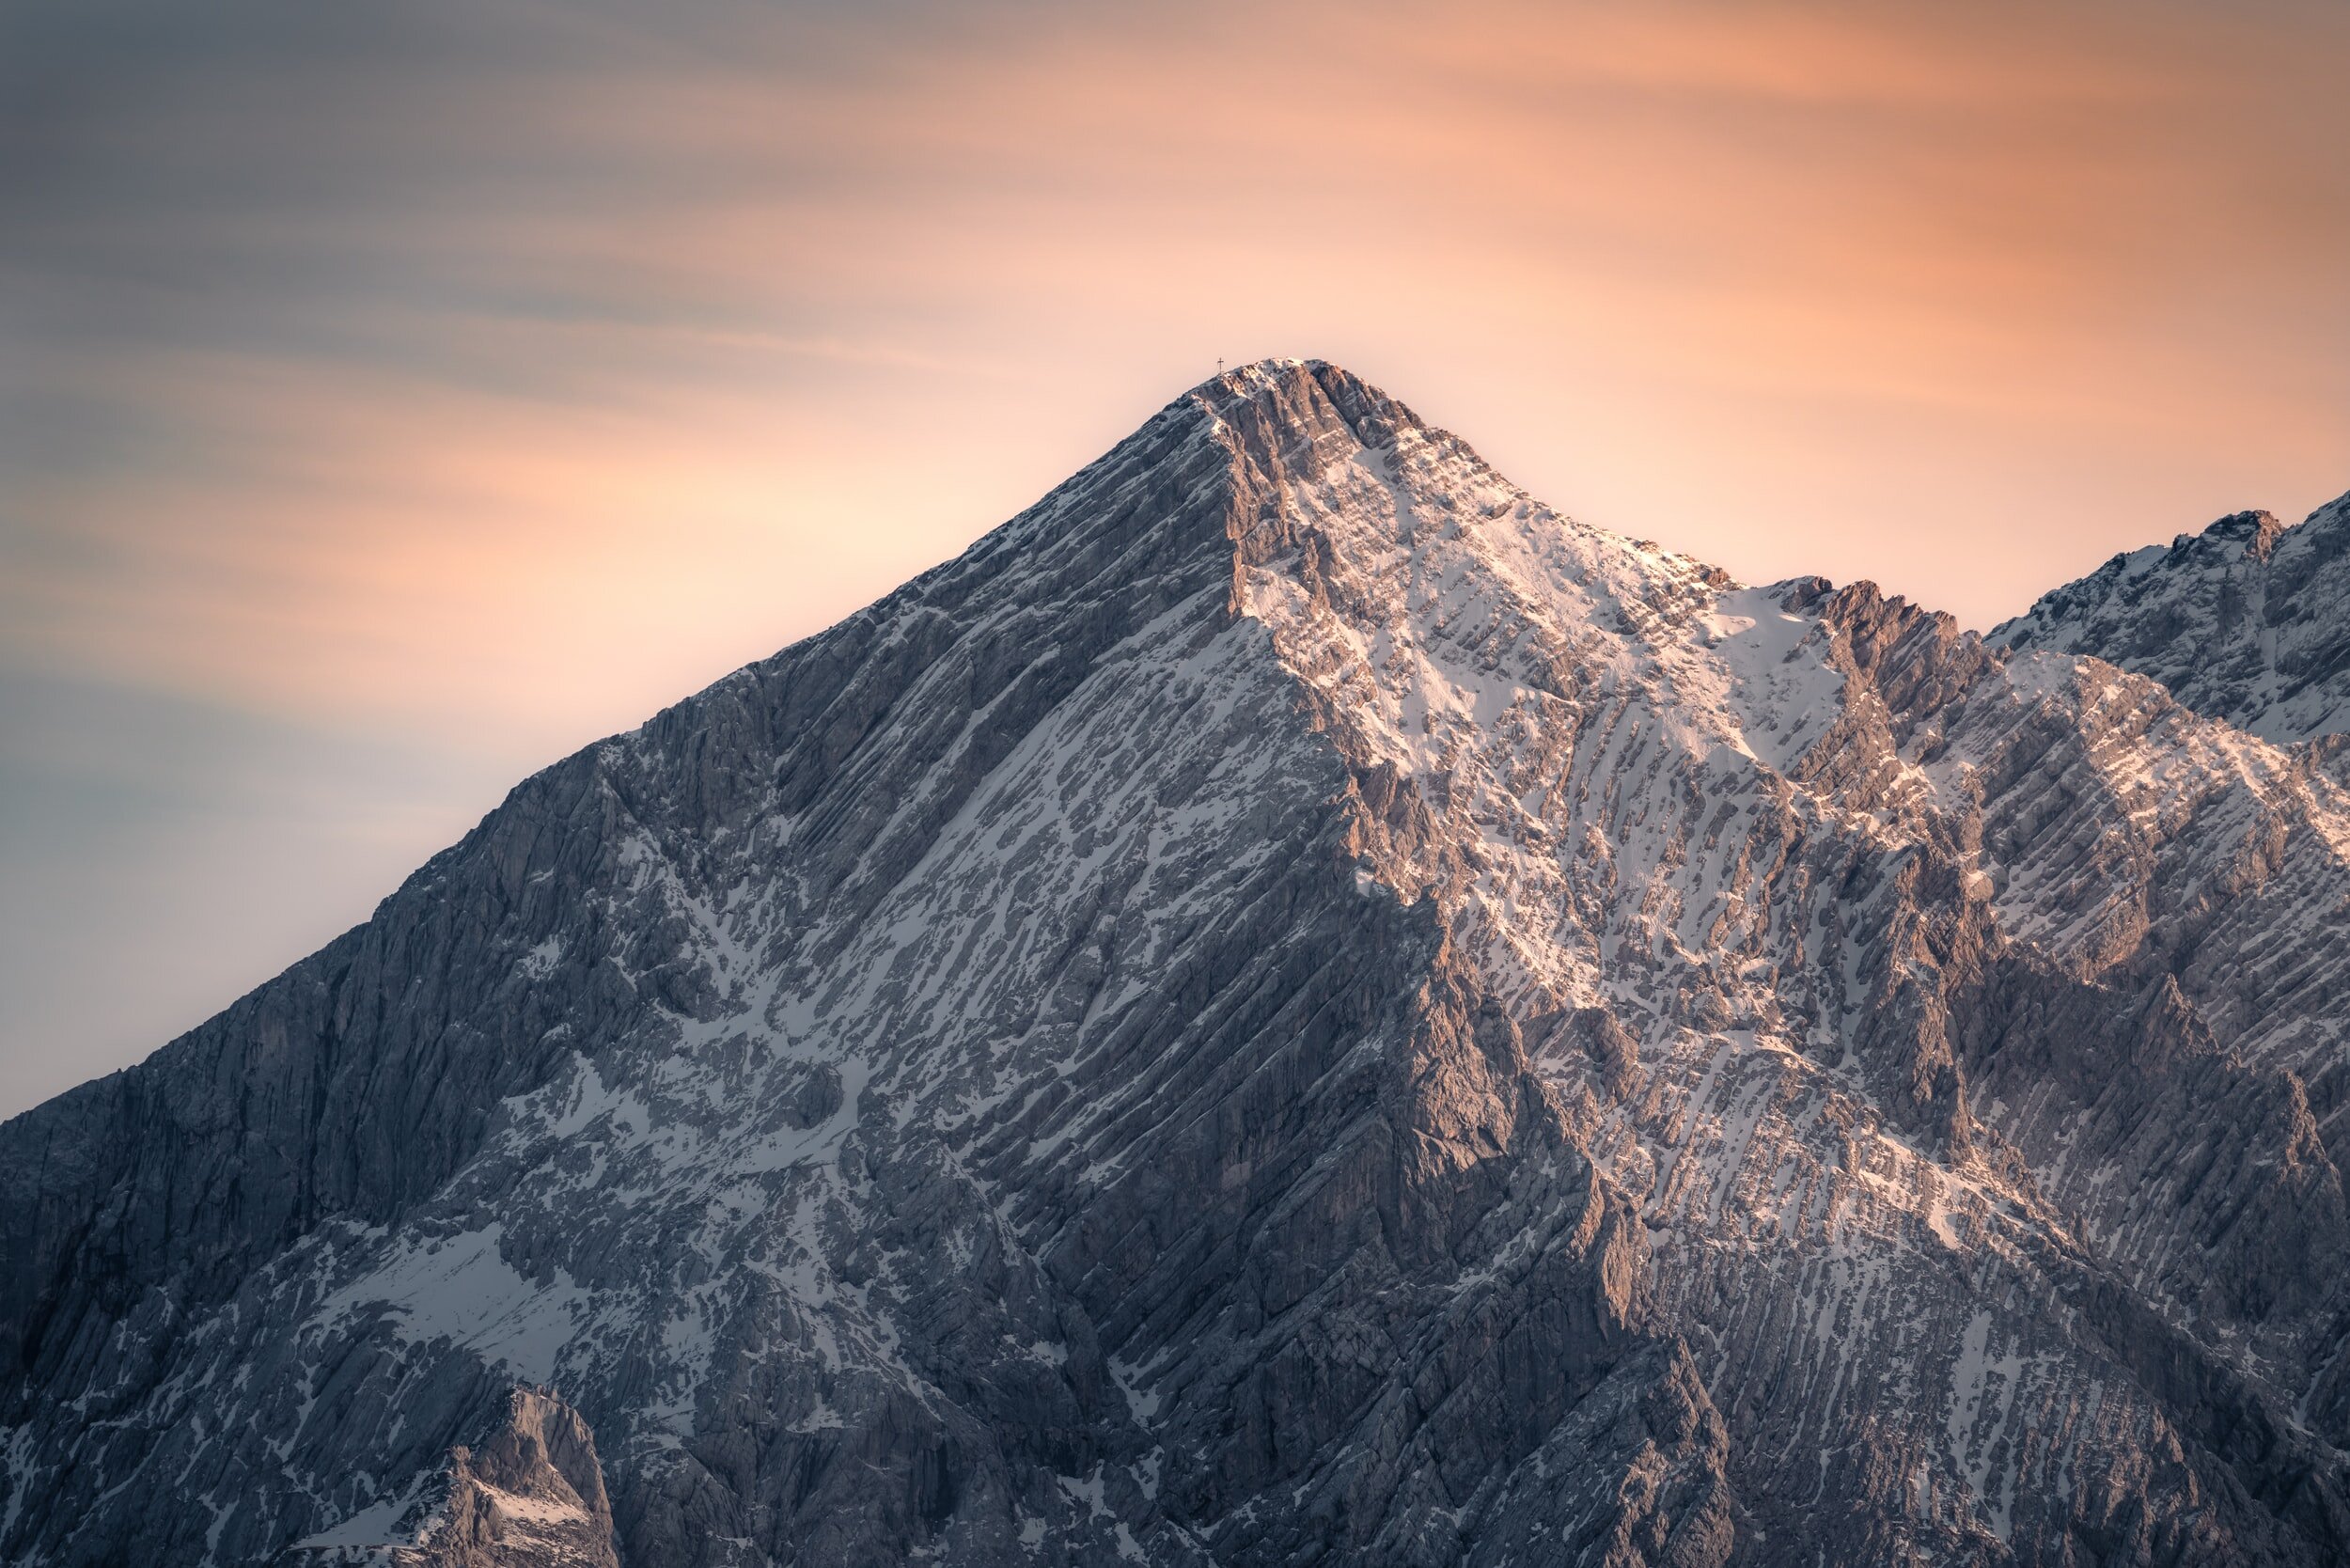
point(488, 375)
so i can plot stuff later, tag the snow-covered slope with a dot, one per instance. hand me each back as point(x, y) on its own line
point(1292, 1005)
point(2243, 621)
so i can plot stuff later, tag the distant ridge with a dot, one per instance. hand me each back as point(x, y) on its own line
point(2244, 621)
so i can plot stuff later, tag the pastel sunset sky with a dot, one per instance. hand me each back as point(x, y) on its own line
point(394, 398)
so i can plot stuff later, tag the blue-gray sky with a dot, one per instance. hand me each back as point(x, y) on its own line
point(394, 397)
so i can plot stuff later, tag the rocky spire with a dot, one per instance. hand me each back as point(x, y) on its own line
point(529, 1493)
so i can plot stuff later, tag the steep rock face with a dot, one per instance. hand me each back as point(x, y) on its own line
point(1292, 1005)
point(1768, 877)
point(947, 1086)
point(2242, 622)
point(530, 1494)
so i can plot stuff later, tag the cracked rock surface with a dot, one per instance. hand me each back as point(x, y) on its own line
point(1292, 1005)
point(2243, 621)
point(529, 1494)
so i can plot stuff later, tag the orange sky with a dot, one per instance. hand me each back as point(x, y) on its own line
point(461, 384)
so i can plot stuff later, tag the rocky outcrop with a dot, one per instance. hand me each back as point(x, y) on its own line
point(2242, 622)
point(1292, 1005)
point(530, 1494)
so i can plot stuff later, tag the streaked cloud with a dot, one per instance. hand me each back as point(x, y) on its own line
point(477, 378)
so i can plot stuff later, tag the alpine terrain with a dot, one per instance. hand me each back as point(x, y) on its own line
point(2243, 621)
point(1290, 1005)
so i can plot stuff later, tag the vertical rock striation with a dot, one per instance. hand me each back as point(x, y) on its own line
point(1292, 1005)
point(2242, 622)
point(529, 1496)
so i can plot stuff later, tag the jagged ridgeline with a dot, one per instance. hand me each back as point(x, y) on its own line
point(2249, 620)
point(1292, 1005)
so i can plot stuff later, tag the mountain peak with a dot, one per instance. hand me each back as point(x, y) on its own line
point(2241, 620)
point(1303, 397)
point(2251, 533)
point(1269, 371)
point(1294, 1004)
point(1262, 375)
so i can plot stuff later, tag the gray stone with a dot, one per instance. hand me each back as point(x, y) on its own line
point(1292, 1005)
point(529, 1496)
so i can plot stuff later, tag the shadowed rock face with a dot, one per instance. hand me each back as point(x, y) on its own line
point(1292, 1005)
point(2243, 621)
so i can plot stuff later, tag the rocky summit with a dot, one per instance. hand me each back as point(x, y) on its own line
point(2243, 621)
point(1290, 1005)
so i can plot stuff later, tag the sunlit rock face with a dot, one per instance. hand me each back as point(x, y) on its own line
point(1292, 1005)
point(2246, 621)
point(530, 1494)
